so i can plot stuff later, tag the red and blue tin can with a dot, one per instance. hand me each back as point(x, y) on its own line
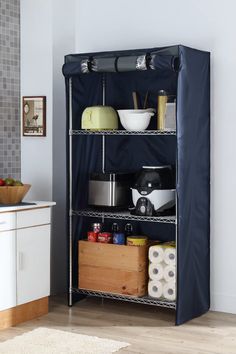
point(118, 238)
point(105, 237)
point(92, 236)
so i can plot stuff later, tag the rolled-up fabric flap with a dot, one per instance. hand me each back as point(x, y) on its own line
point(164, 62)
point(131, 63)
point(75, 68)
point(85, 65)
point(103, 64)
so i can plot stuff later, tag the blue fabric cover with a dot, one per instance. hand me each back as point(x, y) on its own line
point(193, 184)
point(191, 149)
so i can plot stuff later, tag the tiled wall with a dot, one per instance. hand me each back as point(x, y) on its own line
point(10, 88)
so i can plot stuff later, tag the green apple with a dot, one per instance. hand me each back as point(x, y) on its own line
point(9, 181)
point(17, 183)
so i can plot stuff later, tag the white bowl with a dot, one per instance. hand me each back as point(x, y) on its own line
point(135, 119)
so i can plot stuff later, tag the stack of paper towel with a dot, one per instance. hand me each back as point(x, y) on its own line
point(162, 271)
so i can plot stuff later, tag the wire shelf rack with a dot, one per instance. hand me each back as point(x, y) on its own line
point(122, 132)
point(125, 215)
point(139, 300)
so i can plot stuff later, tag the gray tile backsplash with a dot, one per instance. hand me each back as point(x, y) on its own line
point(10, 88)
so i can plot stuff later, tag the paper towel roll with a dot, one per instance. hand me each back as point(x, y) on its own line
point(169, 273)
point(156, 254)
point(169, 291)
point(156, 271)
point(170, 255)
point(155, 288)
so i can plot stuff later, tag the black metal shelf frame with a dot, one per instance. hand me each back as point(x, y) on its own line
point(110, 215)
point(125, 215)
point(122, 132)
point(138, 300)
point(192, 138)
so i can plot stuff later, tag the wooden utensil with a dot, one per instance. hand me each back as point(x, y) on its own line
point(135, 100)
point(146, 100)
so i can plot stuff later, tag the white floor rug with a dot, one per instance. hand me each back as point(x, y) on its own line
point(52, 341)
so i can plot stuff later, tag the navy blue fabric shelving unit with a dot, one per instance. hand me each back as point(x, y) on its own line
point(184, 72)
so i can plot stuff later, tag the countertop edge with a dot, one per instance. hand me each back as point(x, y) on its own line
point(38, 204)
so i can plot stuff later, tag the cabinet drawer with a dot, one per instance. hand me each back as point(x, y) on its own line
point(7, 221)
point(33, 217)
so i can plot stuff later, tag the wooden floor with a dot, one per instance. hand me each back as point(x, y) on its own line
point(148, 329)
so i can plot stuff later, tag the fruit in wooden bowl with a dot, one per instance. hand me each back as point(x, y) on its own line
point(12, 191)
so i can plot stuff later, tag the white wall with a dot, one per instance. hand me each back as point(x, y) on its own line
point(105, 25)
point(63, 43)
point(47, 34)
point(36, 79)
point(203, 24)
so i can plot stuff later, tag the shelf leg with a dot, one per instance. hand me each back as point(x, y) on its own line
point(70, 298)
point(103, 153)
point(103, 136)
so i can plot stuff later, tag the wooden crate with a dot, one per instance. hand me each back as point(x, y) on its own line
point(113, 268)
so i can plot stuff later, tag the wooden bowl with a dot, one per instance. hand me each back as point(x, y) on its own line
point(13, 194)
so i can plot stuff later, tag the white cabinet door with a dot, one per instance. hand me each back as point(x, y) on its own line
point(33, 263)
point(7, 269)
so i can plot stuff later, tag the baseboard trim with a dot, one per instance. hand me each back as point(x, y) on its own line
point(23, 313)
point(223, 303)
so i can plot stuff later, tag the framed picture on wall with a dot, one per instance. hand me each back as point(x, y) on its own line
point(34, 115)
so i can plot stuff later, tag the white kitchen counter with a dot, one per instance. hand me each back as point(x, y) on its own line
point(39, 204)
point(25, 243)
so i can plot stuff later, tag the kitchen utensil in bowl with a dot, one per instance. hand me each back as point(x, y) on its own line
point(135, 100)
point(135, 119)
point(13, 194)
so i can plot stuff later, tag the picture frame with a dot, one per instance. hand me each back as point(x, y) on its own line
point(34, 116)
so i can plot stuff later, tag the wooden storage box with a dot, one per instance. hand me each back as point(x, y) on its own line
point(113, 268)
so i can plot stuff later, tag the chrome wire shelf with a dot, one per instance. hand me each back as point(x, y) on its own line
point(138, 300)
point(122, 132)
point(124, 215)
